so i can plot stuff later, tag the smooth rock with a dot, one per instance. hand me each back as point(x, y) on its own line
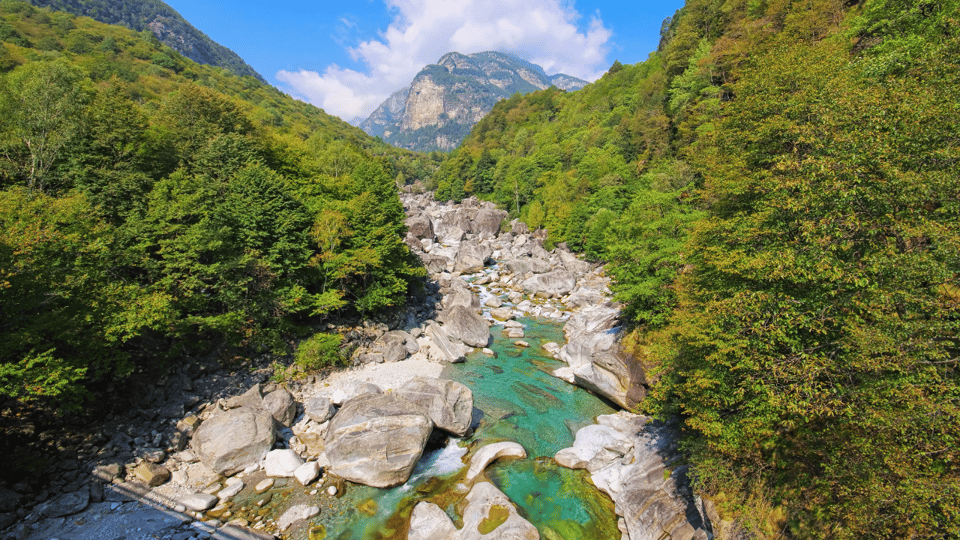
point(295, 514)
point(377, 439)
point(490, 453)
point(319, 409)
point(308, 472)
point(552, 284)
point(264, 485)
point(429, 522)
point(352, 389)
point(281, 405)
point(466, 325)
point(448, 403)
point(233, 486)
point(481, 500)
point(198, 502)
point(231, 440)
point(281, 463)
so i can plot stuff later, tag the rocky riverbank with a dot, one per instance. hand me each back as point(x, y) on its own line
point(232, 455)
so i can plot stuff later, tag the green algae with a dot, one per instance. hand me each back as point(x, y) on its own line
point(496, 517)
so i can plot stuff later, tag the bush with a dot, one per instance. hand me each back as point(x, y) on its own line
point(319, 351)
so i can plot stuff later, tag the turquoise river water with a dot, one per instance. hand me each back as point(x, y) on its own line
point(519, 401)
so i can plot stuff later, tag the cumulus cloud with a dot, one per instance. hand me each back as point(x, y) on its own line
point(544, 32)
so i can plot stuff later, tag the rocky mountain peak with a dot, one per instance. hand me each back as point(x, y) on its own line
point(446, 99)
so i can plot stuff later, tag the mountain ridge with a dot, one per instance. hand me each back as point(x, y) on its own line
point(171, 28)
point(446, 99)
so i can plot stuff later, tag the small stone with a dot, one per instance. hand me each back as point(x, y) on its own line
point(234, 486)
point(264, 485)
point(521, 343)
point(107, 473)
point(332, 491)
point(198, 502)
point(281, 463)
point(489, 352)
point(153, 455)
point(295, 514)
point(308, 472)
point(152, 474)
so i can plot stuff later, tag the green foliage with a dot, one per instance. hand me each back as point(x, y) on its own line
point(776, 194)
point(144, 214)
point(319, 351)
point(178, 34)
point(41, 106)
point(815, 337)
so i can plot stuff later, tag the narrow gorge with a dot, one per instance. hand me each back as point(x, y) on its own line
point(457, 421)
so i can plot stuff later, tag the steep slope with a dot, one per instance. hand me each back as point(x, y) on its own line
point(156, 16)
point(777, 193)
point(446, 99)
point(152, 207)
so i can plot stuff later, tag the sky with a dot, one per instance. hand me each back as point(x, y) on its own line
point(348, 56)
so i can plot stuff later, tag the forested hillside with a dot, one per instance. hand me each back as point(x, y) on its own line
point(157, 17)
point(152, 208)
point(776, 191)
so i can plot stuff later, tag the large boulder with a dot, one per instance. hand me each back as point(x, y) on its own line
point(552, 284)
point(429, 522)
point(466, 325)
point(232, 440)
point(434, 263)
point(595, 359)
point(395, 346)
point(572, 264)
point(471, 257)
point(442, 348)
point(486, 503)
point(523, 265)
point(281, 405)
point(420, 227)
point(377, 439)
point(451, 227)
point(487, 222)
point(460, 295)
point(448, 403)
point(626, 457)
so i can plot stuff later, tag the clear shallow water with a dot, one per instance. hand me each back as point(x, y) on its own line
point(520, 401)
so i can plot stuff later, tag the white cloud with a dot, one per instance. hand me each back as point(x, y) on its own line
point(422, 31)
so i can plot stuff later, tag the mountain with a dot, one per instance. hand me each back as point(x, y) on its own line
point(170, 28)
point(446, 99)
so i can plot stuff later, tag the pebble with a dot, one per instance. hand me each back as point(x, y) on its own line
point(264, 485)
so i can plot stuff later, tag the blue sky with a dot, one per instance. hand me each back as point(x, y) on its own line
point(348, 56)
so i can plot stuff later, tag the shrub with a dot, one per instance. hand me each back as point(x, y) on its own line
point(319, 351)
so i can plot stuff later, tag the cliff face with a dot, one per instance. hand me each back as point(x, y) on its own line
point(446, 99)
point(170, 28)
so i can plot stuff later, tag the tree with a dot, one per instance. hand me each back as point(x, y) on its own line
point(41, 108)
